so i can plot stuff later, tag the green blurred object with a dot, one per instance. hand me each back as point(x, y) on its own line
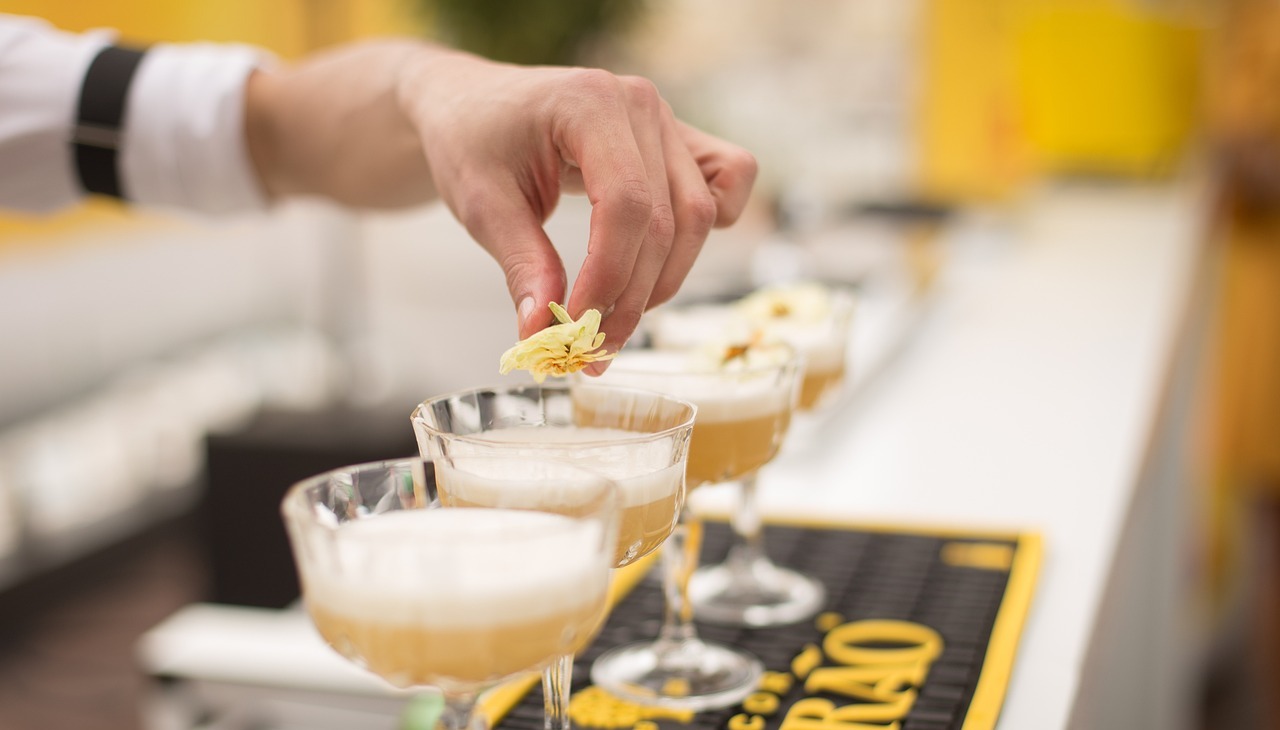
point(422, 712)
point(557, 32)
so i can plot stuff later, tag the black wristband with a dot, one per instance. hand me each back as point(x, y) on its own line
point(100, 119)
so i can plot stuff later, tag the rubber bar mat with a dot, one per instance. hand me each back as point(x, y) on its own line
point(919, 633)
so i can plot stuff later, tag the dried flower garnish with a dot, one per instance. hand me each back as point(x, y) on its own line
point(805, 302)
point(742, 350)
point(734, 351)
point(560, 349)
point(739, 354)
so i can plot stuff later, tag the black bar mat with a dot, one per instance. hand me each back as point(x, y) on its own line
point(919, 633)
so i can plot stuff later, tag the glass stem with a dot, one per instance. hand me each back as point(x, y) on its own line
point(679, 560)
point(557, 682)
point(748, 529)
point(460, 713)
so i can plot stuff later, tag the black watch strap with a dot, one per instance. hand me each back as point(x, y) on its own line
point(100, 119)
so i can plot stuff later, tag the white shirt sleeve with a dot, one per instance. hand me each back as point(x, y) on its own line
point(183, 144)
point(40, 74)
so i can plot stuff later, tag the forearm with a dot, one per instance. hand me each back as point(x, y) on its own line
point(308, 128)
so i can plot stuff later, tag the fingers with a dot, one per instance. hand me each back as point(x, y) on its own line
point(695, 212)
point(659, 222)
point(729, 171)
point(504, 224)
point(656, 187)
point(645, 114)
point(676, 233)
point(601, 141)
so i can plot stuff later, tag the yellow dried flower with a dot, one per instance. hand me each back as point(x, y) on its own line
point(801, 302)
point(560, 349)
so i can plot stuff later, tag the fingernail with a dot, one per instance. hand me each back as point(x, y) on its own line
point(524, 310)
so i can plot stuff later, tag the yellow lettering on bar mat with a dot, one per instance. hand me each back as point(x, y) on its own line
point(985, 555)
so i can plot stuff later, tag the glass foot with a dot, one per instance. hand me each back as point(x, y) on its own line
point(684, 675)
point(758, 594)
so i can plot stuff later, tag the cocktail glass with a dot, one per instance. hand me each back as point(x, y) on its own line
point(817, 320)
point(749, 589)
point(744, 409)
point(637, 438)
point(460, 599)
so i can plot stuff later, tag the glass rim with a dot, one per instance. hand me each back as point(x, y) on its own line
point(795, 360)
point(685, 424)
point(292, 505)
point(287, 502)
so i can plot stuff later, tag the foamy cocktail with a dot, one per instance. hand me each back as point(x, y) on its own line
point(744, 394)
point(519, 589)
point(814, 319)
point(460, 599)
point(637, 439)
point(650, 484)
point(744, 402)
point(748, 589)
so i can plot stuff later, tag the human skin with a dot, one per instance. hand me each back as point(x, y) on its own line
point(397, 123)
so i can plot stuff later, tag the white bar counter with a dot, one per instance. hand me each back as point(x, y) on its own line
point(1043, 388)
point(1046, 389)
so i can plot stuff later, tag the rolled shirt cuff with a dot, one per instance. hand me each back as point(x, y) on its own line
point(184, 141)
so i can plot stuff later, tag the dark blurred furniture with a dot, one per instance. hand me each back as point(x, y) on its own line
point(248, 472)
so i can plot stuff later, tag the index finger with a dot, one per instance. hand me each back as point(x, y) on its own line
point(603, 146)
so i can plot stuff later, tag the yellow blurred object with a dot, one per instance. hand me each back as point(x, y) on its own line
point(1015, 89)
point(1108, 87)
point(288, 28)
point(285, 27)
point(971, 140)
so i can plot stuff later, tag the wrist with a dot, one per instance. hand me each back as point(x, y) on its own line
point(332, 126)
point(428, 77)
point(261, 129)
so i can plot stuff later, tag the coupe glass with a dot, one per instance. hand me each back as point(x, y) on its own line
point(637, 438)
point(822, 340)
point(749, 589)
point(743, 414)
point(460, 599)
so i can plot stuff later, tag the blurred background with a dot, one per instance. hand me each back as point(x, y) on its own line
point(163, 378)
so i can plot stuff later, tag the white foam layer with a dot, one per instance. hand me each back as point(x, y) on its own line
point(801, 302)
point(817, 322)
point(719, 395)
point(522, 483)
point(455, 567)
point(821, 346)
point(810, 317)
point(692, 326)
point(642, 469)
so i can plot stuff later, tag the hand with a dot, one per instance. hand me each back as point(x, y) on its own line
point(500, 143)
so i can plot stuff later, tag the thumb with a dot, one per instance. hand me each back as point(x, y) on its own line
point(513, 235)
